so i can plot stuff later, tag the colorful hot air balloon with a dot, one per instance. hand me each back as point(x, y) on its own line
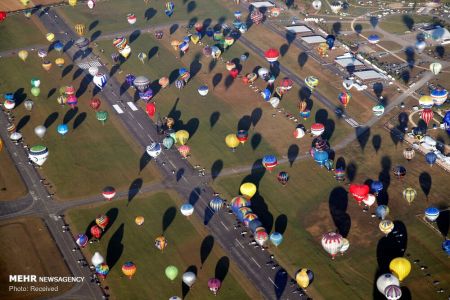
point(272, 55)
point(439, 96)
point(311, 82)
point(129, 269)
point(304, 278)
point(256, 16)
point(216, 203)
point(238, 202)
point(214, 285)
point(184, 150)
point(399, 171)
point(344, 98)
point(317, 129)
point(102, 221)
point(82, 240)
point(170, 6)
point(276, 238)
point(400, 267)
point(248, 189)
point(386, 280)
point(96, 231)
point(242, 136)
point(332, 242)
point(426, 101)
point(131, 18)
point(393, 292)
point(171, 272)
point(409, 194)
point(432, 213)
point(261, 237)
point(427, 115)
point(283, 177)
point(269, 162)
point(38, 154)
point(102, 270)
point(386, 226)
point(359, 191)
point(161, 243)
point(299, 133)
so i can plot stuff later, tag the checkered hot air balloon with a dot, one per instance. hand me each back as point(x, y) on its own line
point(102, 221)
point(256, 16)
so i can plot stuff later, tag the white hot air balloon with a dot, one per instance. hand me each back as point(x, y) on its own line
point(15, 137)
point(345, 246)
point(317, 5)
point(100, 80)
point(203, 90)
point(187, 209)
point(38, 154)
point(274, 101)
point(189, 278)
point(369, 200)
point(40, 131)
point(97, 259)
point(141, 83)
point(335, 7)
point(420, 46)
point(385, 280)
point(154, 150)
point(332, 242)
point(435, 68)
point(93, 70)
point(263, 73)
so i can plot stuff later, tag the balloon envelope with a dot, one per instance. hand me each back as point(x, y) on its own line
point(400, 267)
point(171, 272)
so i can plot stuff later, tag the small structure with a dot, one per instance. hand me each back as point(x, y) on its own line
point(369, 75)
point(302, 29)
point(313, 39)
point(259, 4)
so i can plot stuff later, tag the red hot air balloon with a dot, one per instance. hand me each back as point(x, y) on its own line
point(102, 221)
point(359, 191)
point(234, 73)
point(109, 192)
point(427, 115)
point(344, 98)
point(2, 16)
point(95, 103)
point(272, 55)
point(150, 108)
point(96, 231)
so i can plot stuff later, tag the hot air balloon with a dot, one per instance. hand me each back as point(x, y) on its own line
point(100, 80)
point(317, 129)
point(90, 4)
point(276, 238)
point(335, 7)
point(142, 56)
point(35, 91)
point(150, 109)
point(339, 174)
point(28, 104)
point(203, 90)
point(15, 137)
point(3, 15)
point(141, 83)
point(376, 187)
point(108, 193)
point(386, 226)
point(269, 162)
point(435, 68)
point(373, 39)
point(304, 278)
point(50, 37)
point(96, 231)
point(345, 246)
point(238, 202)
point(426, 101)
point(272, 55)
point(168, 142)
point(62, 129)
point(102, 116)
point(189, 278)
point(38, 154)
point(432, 213)
point(179, 84)
point(248, 189)
point(184, 150)
point(47, 65)
point(242, 136)
point(59, 61)
point(95, 103)
point(163, 82)
point(256, 16)
point(97, 259)
point(409, 153)
point(400, 267)
point(80, 29)
point(187, 209)
point(58, 46)
point(431, 157)
point(439, 96)
point(182, 136)
point(248, 217)
point(446, 246)
point(131, 18)
point(102, 270)
point(399, 171)
point(393, 292)
point(359, 191)
point(261, 237)
point(386, 280)
point(82, 240)
point(427, 115)
point(322, 49)
point(139, 220)
point(420, 46)
point(283, 177)
point(332, 242)
point(42, 53)
point(216, 203)
point(344, 98)
point(317, 4)
point(171, 272)
point(23, 54)
point(82, 43)
point(161, 243)
point(40, 131)
point(159, 34)
point(378, 110)
point(382, 211)
point(154, 150)
point(409, 194)
point(330, 41)
point(102, 221)
point(129, 269)
point(214, 285)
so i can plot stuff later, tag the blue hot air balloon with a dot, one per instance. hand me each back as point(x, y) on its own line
point(209, 32)
point(446, 121)
point(376, 187)
point(169, 8)
point(62, 129)
point(58, 46)
point(276, 238)
point(432, 213)
point(216, 203)
point(81, 240)
point(431, 157)
point(382, 211)
point(237, 24)
point(130, 79)
point(147, 95)
point(330, 41)
point(320, 157)
point(446, 246)
point(266, 94)
point(254, 224)
point(373, 39)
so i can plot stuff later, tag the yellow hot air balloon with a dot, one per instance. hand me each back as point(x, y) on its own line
point(400, 267)
point(409, 194)
point(50, 37)
point(248, 190)
point(139, 220)
point(302, 278)
point(232, 141)
point(175, 44)
point(80, 28)
point(59, 61)
point(47, 65)
point(125, 52)
point(25, 2)
point(182, 136)
point(72, 2)
point(1, 145)
point(161, 243)
point(23, 54)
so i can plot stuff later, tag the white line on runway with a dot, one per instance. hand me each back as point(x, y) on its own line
point(224, 226)
point(256, 262)
point(118, 109)
point(184, 178)
point(273, 282)
point(132, 106)
point(140, 125)
point(242, 246)
point(171, 163)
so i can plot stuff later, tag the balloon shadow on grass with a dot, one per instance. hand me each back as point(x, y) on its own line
point(67, 70)
point(93, 25)
point(192, 5)
point(217, 78)
point(216, 168)
point(152, 52)
point(222, 268)
point(96, 35)
point(173, 28)
point(362, 135)
point(206, 248)
point(134, 189)
point(425, 182)
point(115, 247)
point(338, 203)
point(302, 59)
point(281, 223)
point(51, 119)
point(112, 214)
point(376, 142)
point(195, 65)
point(214, 118)
point(255, 140)
point(385, 177)
point(144, 160)
point(443, 222)
point(292, 154)
point(87, 79)
point(351, 170)
point(256, 116)
point(150, 13)
point(208, 214)
point(22, 122)
point(244, 123)
point(50, 93)
point(79, 120)
point(179, 174)
point(69, 115)
point(134, 36)
point(168, 217)
point(229, 80)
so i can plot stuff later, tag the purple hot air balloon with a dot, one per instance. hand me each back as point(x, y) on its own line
point(214, 285)
point(82, 240)
point(147, 95)
point(130, 79)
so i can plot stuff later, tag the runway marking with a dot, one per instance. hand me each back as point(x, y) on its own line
point(118, 109)
point(132, 106)
point(242, 246)
point(273, 282)
point(184, 178)
point(171, 163)
point(224, 226)
point(256, 262)
point(140, 125)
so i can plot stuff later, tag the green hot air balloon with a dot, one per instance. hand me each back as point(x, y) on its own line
point(168, 142)
point(171, 272)
point(102, 116)
point(35, 82)
point(35, 91)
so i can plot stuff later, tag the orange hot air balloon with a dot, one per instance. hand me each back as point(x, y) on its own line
point(129, 269)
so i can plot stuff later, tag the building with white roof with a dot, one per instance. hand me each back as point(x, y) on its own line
point(259, 4)
point(369, 75)
point(313, 39)
point(299, 29)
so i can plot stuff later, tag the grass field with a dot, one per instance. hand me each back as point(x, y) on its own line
point(91, 156)
point(11, 184)
point(126, 241)
point(312, 199)
point(17, 31)
point(398, 24)
point(27, 248)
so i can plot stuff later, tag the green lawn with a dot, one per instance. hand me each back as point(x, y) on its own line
point(11, 185)
point(400, 23)
point(17, 31)
point(125, 241)
point(305, 202)
point(91, 156)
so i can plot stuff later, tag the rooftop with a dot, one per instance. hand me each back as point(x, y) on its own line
point(313, 39)
point(298, 29)
point(369, 75)
point(259, 4)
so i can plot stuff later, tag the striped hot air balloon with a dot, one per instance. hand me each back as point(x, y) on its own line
point(129, 269)
point(409, 194)
point(216, 203)
point(269, 162)
point(409, 153)
point(427, 115)
point(344, 98)
point(332, 242)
